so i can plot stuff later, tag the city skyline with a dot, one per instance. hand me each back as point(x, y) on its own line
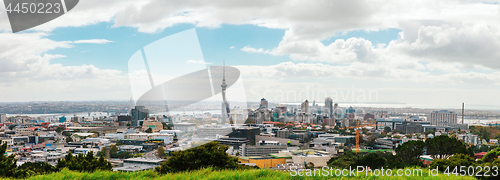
point(428, 55)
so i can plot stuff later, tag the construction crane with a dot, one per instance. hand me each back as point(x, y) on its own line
point(97, 111)
point(103, 107)
point(357, 136)
point(358, 127)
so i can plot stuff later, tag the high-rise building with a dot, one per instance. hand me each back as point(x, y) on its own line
point(282, 108)
point(442, 118)
point(304, 107)
point(329, 107)
point(335, 109)
point(75, 119)
point(139, 113)
point(264, 103)
point(350, 112)
point(3, 118)
point(62, 119)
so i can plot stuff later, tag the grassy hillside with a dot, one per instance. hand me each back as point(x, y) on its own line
point(211, 174)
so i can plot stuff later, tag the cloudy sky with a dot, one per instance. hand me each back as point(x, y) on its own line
point(415, 53)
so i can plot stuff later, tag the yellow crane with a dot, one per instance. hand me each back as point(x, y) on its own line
point(357, 136)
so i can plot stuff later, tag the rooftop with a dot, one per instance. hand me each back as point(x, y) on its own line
point(134, 168)
point(142, 159)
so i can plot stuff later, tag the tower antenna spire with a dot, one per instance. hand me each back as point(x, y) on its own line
point(224, 71)
point(225, 108)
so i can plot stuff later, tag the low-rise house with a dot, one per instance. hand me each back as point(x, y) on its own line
point(85, 150)
point(130, 148)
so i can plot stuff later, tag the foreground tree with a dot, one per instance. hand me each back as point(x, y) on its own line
point(81, 162)
point(38, 168)
point(349, 158)
point(208, 155)
point(443, 146)
point(410, 152)
point(491, 156)
point(372, 160)
point(393, 161)
point(8, 164)
point(453, 162)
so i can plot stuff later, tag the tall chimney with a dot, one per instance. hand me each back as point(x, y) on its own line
point(462, 113)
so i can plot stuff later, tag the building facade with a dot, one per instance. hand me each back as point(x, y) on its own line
point(260, 150)
point(139, 113)
point(213, 130)
point(304, 107)
point(442, 118)
point(3, 118)
point(329, 107)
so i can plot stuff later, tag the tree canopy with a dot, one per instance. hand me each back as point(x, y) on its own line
point(349, 158)
point(82, 162)
point(410, 151)
point(453, 162)
point(491, 155)
point(8, 163)
point(482, 132)
point(161, 152)
point(387, 129)
point(372, 160)
point(208, 155)
point(38, 168)
point(443, 147)
point(408, 154)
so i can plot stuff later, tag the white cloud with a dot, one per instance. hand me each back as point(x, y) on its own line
point(26, 73)
point(93, 41)
point(466, 43)
point(340, 51)
point(365, 71)
point(253, 50)
point(231, 47)
point(443, 23)
point(445, 67)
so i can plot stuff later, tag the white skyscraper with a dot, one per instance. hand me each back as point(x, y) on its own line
point(329, 106)
point(305, 106)
point(3, 118)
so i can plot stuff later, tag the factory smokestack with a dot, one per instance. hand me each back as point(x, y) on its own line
point(462, 113)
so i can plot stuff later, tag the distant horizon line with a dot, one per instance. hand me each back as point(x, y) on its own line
point(258, 101)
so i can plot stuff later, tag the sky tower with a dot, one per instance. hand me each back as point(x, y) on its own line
point(225, 106)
